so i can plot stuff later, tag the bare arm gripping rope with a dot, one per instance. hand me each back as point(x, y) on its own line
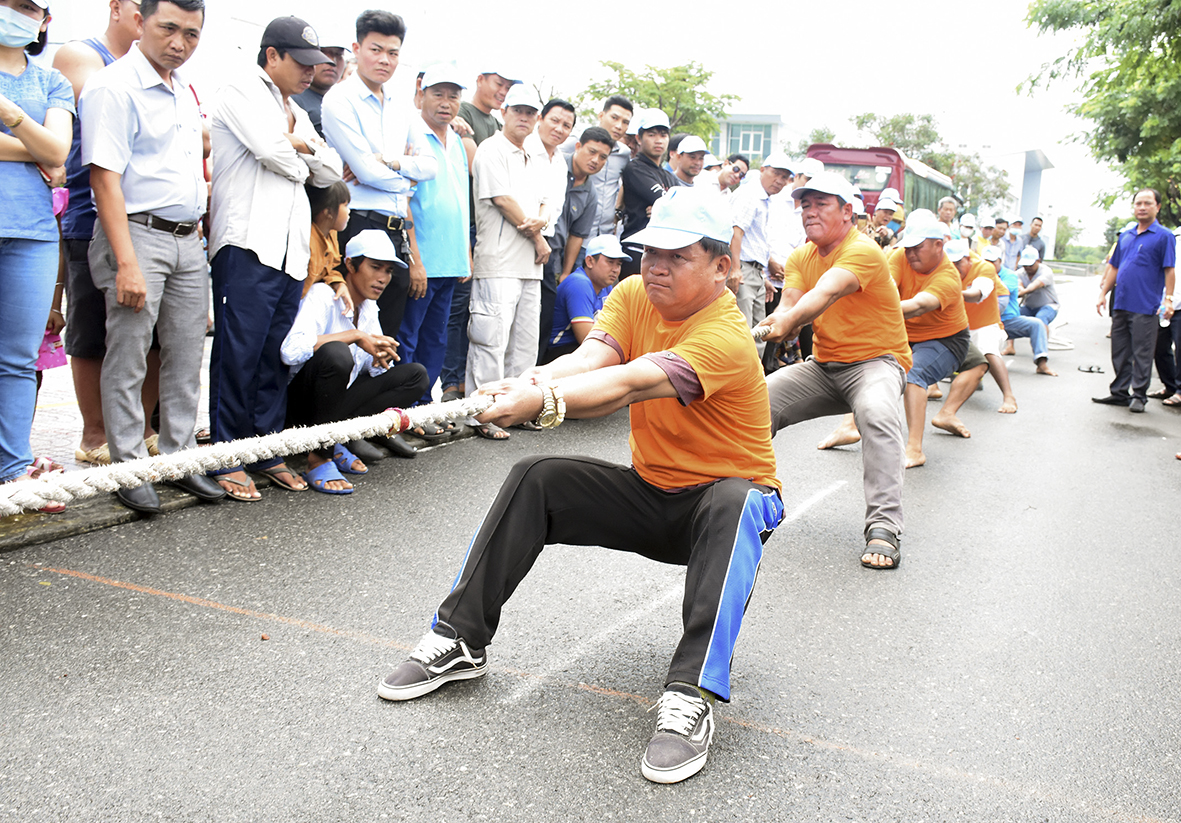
point(34, 494)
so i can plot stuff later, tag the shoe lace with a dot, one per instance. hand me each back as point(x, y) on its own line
point(678, 713)
point(431, 647)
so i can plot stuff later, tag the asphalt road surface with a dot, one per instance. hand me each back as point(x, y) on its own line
point(221, 663)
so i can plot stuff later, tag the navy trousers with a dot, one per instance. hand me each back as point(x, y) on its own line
point(253, 309)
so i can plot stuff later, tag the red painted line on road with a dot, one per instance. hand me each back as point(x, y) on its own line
point(213, 604)
point(1069, 799)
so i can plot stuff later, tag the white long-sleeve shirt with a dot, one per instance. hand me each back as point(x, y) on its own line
point(259, 202)
point(321, 312)
point(360, 125)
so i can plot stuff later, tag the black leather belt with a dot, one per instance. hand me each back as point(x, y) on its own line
point(160, 224)
point(390, 223)
point(757, 265)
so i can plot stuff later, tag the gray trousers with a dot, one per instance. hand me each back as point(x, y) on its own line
point(177, 306)
point(1133, 345)
point(752, 298)
point(872, 390)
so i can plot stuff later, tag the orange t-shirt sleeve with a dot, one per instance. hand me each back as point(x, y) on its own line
point(617, 317)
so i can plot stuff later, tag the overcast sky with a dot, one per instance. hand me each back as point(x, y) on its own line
point(815, 64)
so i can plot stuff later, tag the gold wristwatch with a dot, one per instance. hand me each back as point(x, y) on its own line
point(553, 408)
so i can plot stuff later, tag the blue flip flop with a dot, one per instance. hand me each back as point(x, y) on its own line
point(319, 478)
point(344, 459)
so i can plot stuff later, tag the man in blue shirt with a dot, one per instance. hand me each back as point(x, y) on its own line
point(440, 206)
point(1144, 263)
point(581, 295)
point(1017, 324)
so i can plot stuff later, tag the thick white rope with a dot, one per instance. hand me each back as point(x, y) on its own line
point(65, 487)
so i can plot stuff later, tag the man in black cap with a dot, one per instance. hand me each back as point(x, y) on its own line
point(264, 150)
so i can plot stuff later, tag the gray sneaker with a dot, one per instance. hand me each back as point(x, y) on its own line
point(438, 659)
point(684, 728)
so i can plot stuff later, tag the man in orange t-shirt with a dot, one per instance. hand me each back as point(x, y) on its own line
point(841, 284)
point(981, 290)
point(672, 344)
point(936, 324)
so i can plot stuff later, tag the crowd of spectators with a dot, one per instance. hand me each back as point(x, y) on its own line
point(365, 248)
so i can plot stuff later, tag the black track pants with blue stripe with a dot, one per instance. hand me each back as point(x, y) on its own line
point(717, 531)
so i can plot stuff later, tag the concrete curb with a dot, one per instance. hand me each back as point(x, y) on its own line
point(103, 511)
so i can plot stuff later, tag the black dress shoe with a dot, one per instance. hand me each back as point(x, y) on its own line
point(366, 451)
point(397, 446)
point(200, 486)
point(1137, 405)
point(141, 498)
point(1113, 400)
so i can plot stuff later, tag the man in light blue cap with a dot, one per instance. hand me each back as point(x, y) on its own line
point(672, 345)
point(581, 295)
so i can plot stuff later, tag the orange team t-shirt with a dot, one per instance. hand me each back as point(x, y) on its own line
point(944, 283)
point(860, 326)
point(727, 433)
point(986, 312)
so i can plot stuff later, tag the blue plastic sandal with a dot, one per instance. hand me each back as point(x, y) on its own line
point(344, 459)
point(319, 478)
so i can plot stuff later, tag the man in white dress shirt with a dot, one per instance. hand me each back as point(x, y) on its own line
point(264, 149)
point(143, 141)
point(341, 364)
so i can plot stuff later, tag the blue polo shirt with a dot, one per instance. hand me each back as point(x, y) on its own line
point(1140, 259)
point(576, 300)
point(440, 209)
point(1009, 278)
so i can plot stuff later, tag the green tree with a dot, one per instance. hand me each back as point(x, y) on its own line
point(1067, 231)
point(917, 136)
point(1114, 226)
point(822, 134)
point(678, 91)
point(1128, 70)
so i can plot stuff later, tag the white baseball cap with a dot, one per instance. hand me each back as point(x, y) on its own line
point(683, 216)
point(521, 95)
point(1029, 256)
point(810, 167)
point(442, 73)
point(374, 244)
point(711, 162)
point(887, 204)
point(826, 182)
point(691, 144)
point(956, 250)
point(921, 224)
point(779, 160)
point(607, 244)
point(892, 193)
point(651, 119)
point(987, 223)
point(968, 220)
point(991, 253)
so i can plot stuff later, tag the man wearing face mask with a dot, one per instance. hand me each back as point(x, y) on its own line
point(1012, 243)
point(968, 228)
